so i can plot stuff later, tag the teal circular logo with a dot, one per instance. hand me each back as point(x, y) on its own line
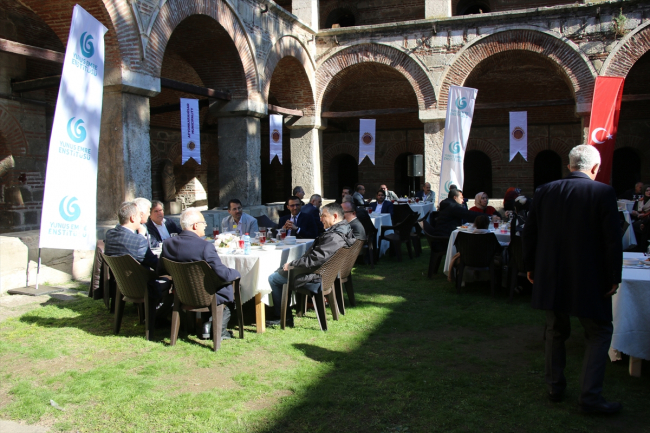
point(78, 132)
point(87, 48)
point(69, 209)
point(461, 103)
point(454, 147)
point(447, 185)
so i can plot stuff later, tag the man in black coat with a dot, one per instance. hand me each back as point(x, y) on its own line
point(573, 255)
point(313, 208)
point(453, 215)
point(350, 215)
point(636, 191)
point(158, 227)
point(124, 239)
point(298, 224)
point(189, 246)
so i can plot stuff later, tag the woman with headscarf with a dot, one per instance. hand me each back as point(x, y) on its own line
point(509, 199)
point(481, 205)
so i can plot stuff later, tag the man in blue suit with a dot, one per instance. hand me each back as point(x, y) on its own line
point(298, 224)
point(124, 239)
point(313, 208)
point(160, 228)
point(382, 204)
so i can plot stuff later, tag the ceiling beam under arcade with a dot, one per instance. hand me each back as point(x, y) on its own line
point(31, 51)
point(168, 108)
point(36, 84)
point(287, 111)
point(361, 113)
point(194, 90)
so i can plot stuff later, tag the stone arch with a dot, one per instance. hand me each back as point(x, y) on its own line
point(407, 146)
point(173, 12)
point(562, 148)
point(577, 69)
point(14, 138)
point(331, 151)
point(535, 146)
point(329, 69)
point(484, 146)
point(630, 49)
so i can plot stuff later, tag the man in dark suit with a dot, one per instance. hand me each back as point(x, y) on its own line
point(158, 227)
point(350, 215)
point(453, 215)
point(189, 246)
point(298, 224)
point(575, 269)
point(384, 205)
point(123, 239)
point(313, 208)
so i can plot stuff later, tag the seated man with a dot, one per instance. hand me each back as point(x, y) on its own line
point(158, 227)
point(350, 215)
point(346, 190)
point(123, 239)
point(453, 215)
point(390, 195)
point(358, 196)
point(337, 234)
point(426, 194)
point(313, 208)
point(144, 206)
point(298, 224)
point(238, 220)
point(189, 246)
point(382, 205)
point(300, 193)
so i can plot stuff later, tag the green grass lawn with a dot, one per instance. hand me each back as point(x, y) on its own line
point(413, 356)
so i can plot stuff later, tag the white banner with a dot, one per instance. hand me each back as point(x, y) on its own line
point(69, 213)
point(460, 110)
point(519, 134)
point(367, 139)
point(275, 133)
point(190, 130)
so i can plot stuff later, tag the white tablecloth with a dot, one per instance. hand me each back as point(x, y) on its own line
point(631, 310)
point(421, 208)
point(379, 220)
point(629, 239)
point(627, 205)
point(256, 267)
point(503, 238)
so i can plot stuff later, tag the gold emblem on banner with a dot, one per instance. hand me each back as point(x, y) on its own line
point(191, 145)
point(275, 136)
point(518, 133)
point(367, 138)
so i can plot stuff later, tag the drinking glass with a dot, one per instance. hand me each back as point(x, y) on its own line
point(369, 209)
point(241, 244)
point(283, 233)
point(262, 237)
point(496, 225)
point(215, 232)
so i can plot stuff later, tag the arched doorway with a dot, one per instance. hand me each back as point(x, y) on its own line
point(478, 174)
point(626, 169)
point(548, 167)
point(343, 171)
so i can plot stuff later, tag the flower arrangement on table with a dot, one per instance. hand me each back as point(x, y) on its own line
point(226, 240)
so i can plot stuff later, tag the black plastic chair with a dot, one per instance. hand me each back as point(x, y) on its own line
point(438, 246)
point(402, 234)
point(370, 247)
point(417, 234)
point(477, 252)
point(264, 221)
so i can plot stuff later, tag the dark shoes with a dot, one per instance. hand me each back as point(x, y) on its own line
point(606, 407)
point(207, 332)
point(270, 323)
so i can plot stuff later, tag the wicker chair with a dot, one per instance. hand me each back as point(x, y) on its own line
point(102, 285)
point(329, 271)
point(477, 252)
point(515, 263)
point(438, 246)
point(195, 285)
point(345, 276)
point(402, 235)
point(132, 279)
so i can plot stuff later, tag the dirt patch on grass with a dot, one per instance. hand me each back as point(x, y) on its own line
point(266, 402)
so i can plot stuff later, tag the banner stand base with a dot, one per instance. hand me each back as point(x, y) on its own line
point(31, 290)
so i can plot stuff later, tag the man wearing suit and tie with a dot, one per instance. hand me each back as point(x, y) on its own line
point(575, 269)
point(382, 205)
point(313, 208)
point(124, 239)
point(158, 227)
point(298, 224)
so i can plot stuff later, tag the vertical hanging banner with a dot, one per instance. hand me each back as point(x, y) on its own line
point(605, 110)
point(519, 134)
point(460, 111)
point(190, 130)
point(275, 136)
point(69, 215)
point(367, 139)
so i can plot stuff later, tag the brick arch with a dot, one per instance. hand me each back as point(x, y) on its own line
point(630, 49)
point(14, 138)
point(577, 69)
point(173, 12)
point(330, 152)
point(383, 54)
point(636, 142)
point(287, 46)
point(562, 148)
point(484, 146)
point(406, 146)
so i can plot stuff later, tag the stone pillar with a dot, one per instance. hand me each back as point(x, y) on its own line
point(583, 111)
point(240, 172)
point(436, 9)
point(307, 11)
point(124, 166)
point(307, 155)
point(434, 133)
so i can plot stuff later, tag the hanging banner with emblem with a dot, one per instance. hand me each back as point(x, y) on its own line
point(603, 125)
point(519, 134)
point(367, 139)
point(275, 133)
point(190, 130)
point(69, 213)
point(460, 110)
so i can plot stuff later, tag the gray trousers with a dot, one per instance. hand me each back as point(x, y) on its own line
point(598, 336)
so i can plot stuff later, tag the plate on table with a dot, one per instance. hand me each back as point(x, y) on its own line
point(269, 247)
point(256, 247)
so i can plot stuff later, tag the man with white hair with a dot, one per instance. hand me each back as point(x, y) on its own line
point(189, 246)
point(573, 254)
point(144, 206)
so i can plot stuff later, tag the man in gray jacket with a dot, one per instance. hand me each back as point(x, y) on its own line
point(338, 234)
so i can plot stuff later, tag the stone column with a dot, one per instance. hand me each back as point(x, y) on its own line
point(436, 9)
point(434, 132)
point(583, 111)
point(124, 166)
point(307, 11)
point(307, 156)
point(240, 171)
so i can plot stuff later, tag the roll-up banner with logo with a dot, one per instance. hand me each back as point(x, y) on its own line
point(460, 110)
point(519, 134)
point(70, 201)
point(275, 129)
point(190, 130)
point(367, 139)
point(605, 110)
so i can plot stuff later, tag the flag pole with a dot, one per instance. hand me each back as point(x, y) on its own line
point(38, 267)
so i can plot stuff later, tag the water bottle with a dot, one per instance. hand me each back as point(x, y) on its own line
point(247, 244)
point(269, 234)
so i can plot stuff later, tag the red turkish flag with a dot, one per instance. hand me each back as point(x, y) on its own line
point(605, 109)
